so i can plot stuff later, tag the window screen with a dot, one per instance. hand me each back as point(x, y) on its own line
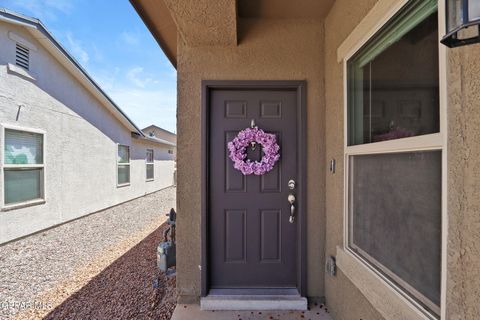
point(123, 174)
point(22, 185)
point(395, 213)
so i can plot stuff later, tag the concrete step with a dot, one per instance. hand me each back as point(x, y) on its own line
point(253, 302)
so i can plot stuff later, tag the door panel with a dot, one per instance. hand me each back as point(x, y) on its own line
point(251, 243)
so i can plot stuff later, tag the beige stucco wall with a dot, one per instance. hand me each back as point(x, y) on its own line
point(344, 300)
point(463, 112)
point(463, 91)
point(267, 50)
point(300, 49)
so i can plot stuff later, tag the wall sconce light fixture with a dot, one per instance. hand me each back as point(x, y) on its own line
point(463, 22)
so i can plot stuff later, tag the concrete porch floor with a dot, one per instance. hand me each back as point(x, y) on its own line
point(192, 311)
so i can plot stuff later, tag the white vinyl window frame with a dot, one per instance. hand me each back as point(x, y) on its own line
point(4, 166)
point(123, 164)
point(428, 142)
point(150, 163)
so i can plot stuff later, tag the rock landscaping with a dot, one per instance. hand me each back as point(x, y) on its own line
point(103, 263)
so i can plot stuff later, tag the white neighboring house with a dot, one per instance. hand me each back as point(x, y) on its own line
point(67, 149)
point(157, 132)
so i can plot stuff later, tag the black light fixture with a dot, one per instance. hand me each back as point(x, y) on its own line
point(463, 22)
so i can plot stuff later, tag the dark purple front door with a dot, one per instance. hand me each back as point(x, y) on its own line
point(251, 242)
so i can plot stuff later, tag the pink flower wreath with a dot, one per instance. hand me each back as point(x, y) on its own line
point(238, 151)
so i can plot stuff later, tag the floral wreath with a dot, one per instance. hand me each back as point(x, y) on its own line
point(252, 136)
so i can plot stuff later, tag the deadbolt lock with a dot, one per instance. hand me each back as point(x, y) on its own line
point(291, 184)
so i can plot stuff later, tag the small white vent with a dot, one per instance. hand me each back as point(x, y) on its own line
point(22, 56)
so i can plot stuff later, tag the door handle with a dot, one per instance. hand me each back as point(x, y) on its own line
point(291, 199)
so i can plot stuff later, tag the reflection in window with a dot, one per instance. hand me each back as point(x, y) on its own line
point(394, 197)
point(150, 165)
point(394, 86)
point(123, 165)
point(23, 166)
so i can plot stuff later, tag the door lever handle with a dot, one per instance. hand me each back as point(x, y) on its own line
point(291, 199)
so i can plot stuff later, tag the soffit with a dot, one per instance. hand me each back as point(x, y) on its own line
point(161, 25)
point(284, 9)
point(214, 23)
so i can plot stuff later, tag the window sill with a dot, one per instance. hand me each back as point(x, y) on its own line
point(22, 205)
point(379, 291)
point(150, 180)
point(123, 185)
point(19, 71)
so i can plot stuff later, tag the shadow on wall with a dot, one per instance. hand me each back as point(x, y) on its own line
point(132, 287)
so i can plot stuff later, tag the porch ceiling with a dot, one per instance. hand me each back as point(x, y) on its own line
point(214, 23)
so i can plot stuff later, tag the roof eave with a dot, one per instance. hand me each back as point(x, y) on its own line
point(159, 34)
point(40, 32)
point(160, 141)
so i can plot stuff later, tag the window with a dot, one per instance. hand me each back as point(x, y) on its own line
point(393, 80)
point(394, 154)
point(23, 167)
point(123, 165)
point(150, 165)
point(170, 151)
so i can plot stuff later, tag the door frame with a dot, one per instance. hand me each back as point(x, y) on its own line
point(299, 86)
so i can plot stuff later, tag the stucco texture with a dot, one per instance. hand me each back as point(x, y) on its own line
point(267, 50)
point(271, 49)
point(463, 249)
point(205, 22)
point(345, 301)
point(463, 112)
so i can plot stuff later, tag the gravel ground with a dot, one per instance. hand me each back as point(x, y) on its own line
point(41, 271)
point(130, 288)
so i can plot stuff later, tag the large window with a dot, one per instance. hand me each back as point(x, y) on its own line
point(23, 167)
point(394, 154)
point(150, 166)
point(123, 165)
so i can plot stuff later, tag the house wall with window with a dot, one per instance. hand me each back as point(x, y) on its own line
point(416, 145)
point(80, 144)
point(339, 290)
point(458, 105)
